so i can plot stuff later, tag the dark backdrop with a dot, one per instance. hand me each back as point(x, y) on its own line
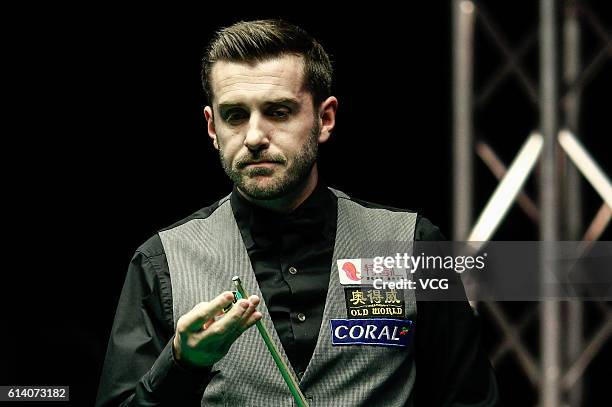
point(109, 145)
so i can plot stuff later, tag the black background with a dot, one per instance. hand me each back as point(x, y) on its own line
point(106, 143)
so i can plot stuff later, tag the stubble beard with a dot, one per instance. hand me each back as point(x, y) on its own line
point(284, 182)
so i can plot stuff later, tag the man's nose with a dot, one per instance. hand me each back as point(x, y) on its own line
point(256, 136)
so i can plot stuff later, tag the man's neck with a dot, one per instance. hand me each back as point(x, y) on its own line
point(289, 202)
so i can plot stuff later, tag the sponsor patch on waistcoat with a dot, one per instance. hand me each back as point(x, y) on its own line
point(362, 272)
point(368, 302)
point(374, 331)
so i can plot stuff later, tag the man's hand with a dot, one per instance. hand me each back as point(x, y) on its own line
point(202, 340)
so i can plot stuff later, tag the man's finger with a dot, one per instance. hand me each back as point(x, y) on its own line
point(248, 312)
point(253, 303)
point(251, 320)
point(254, 299)
point(208, 323)
point(248, 319)
point(231, 320)
point(202, 312)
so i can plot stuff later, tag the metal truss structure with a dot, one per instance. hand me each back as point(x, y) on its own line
point(555, 147)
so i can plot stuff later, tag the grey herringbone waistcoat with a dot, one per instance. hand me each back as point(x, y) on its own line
point(203, 256)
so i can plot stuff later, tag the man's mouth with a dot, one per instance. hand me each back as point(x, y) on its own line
point(264, 164)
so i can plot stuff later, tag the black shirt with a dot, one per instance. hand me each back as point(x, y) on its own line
point(290, 255)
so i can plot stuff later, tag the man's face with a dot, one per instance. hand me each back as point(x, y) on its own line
point(265, 126)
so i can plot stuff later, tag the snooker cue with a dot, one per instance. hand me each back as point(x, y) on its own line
point(280, 363)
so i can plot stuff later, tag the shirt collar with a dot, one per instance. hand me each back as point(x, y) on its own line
point(315, 217)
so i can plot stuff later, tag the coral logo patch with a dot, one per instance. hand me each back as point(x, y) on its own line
point(381, 331)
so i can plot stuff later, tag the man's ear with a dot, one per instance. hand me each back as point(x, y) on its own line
point(208, 114)
point(327, 115)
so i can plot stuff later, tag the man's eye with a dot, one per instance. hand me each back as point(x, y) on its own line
point(235, 116)
point(279, 113)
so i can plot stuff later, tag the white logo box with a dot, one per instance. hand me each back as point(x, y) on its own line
point(361, 272)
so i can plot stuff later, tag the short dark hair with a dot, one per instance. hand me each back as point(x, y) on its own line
point(260, 40)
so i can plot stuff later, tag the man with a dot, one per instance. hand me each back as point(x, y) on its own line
point(282, 231)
